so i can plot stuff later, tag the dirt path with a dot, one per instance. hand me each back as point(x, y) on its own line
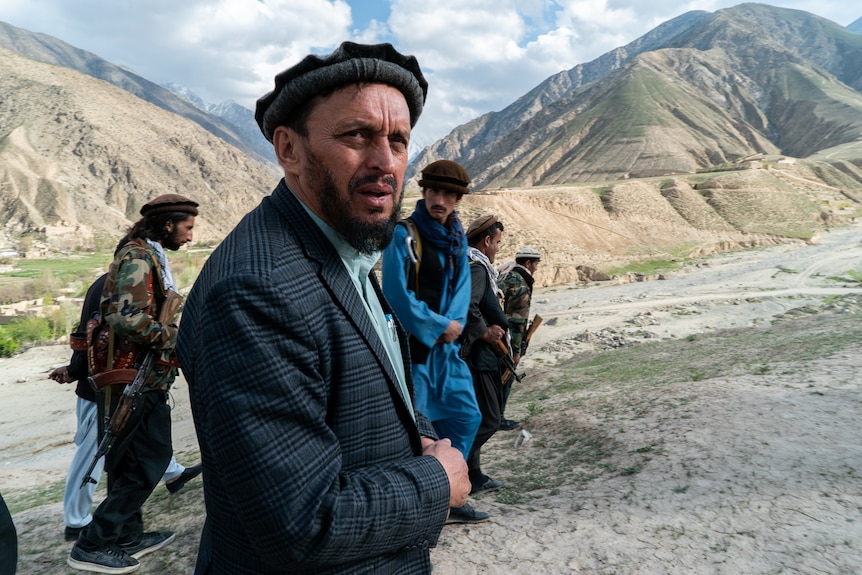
point(737, 289)
point(749, 475)
point(745, 475)
point(752, 476)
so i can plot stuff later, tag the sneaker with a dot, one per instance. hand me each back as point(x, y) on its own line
point(71, 533)
point(487, 485)
point(509, 425)
point(109, 559)
point(148, 543)
point(466, 514)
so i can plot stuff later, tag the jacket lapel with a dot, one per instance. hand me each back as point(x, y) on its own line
point(333, 274)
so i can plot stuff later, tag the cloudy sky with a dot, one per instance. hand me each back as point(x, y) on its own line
point(478, 55)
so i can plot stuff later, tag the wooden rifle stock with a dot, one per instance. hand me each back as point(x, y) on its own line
point(534, 325)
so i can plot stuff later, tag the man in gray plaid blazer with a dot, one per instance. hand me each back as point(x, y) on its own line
point(315, 460)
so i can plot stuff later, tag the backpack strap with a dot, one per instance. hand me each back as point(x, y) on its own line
point(414, 249)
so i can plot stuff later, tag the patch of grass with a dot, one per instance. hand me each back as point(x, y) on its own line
point(850, 276)
point(648, 267)
point(509, 497)
point(723, 353)
point(67, 266)
point(21, 499)
point(782, 270)
point(532, 478)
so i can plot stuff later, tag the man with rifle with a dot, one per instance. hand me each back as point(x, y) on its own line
point(517, 288)
point(140, 340)
point(78, 500)
point(486, 328)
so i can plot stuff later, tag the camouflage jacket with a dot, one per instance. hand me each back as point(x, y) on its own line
point(130, 305)
point(517, 288)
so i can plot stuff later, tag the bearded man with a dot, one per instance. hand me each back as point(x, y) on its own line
point(137, 285)
point(315, 458)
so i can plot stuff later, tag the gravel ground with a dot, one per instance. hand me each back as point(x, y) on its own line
point(755, 470)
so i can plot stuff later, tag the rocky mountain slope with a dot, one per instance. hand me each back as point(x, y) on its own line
point(588, 230)
point(599, 167)
point(698, 92)
point(235, 127)
point(78, 157)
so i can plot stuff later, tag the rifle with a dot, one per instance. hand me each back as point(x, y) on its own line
point(534, 325)
point(126, 406)
point(508, 363)
point(132, 392)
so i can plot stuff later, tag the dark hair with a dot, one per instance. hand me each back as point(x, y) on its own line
point(155, 227)
point(488, 233)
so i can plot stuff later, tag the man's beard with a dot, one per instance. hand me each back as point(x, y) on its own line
point(365, 237)
point(172, 242)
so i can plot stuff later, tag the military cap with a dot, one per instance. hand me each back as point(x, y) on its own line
point(349, 64)
point(445, 175)
point(480, 225)
point(169, 203)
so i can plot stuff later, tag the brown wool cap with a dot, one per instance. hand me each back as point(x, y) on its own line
point(480, 225)
point(351, 63)
point(445, 175)
point(169, 203)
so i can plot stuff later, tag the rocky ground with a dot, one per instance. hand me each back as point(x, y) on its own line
point(704, 423)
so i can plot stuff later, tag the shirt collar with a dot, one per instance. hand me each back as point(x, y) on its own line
point(357, 263)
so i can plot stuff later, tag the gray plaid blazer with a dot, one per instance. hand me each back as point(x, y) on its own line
point(312, 462)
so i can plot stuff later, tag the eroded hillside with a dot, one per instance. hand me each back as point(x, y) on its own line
point(616, 223)
point(78, 157)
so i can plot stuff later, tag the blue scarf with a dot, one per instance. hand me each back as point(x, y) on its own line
point(449, 239)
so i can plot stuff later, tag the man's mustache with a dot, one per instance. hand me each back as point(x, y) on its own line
point(355, 184)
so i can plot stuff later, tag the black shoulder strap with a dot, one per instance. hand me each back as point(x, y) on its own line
point(414, 249)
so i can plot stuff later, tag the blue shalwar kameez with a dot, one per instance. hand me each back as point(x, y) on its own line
point(443, 384)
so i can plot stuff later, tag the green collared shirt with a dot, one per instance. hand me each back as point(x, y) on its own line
point(358, 267)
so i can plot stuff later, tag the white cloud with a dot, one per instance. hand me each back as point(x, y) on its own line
point(458, 33)
point(478, 55)
point(246, 42)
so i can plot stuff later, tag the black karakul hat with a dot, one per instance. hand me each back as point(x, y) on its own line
point(351, 63)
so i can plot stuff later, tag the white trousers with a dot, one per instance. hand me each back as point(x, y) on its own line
point(77, 500)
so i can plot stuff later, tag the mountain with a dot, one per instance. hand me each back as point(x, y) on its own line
point(637, 127)
point(239, 117)
point(45, 48)
point(856, 26)
point(699, 92)
point(79, 156)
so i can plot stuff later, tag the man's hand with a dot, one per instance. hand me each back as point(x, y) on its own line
point(494, 334)
point(455, 466)
point(453, 331)
point(60, 375)
point(516, 360)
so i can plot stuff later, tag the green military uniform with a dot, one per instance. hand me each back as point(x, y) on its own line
point(130, 305)
point(517, 288)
